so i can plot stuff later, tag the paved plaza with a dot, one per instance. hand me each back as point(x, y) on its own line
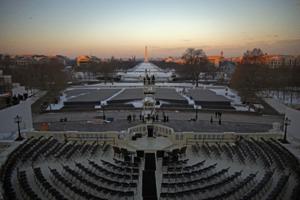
point(129, 94)
point(179, 115)
point(89, 95)
point(177, 125)
point(180, 121)
point(204, 95)
point(166, 94)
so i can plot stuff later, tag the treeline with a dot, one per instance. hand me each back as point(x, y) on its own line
point(249, 79)
point(46, 76)
point(254, 75)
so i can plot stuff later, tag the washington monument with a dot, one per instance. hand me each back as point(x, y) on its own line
point(146, 54)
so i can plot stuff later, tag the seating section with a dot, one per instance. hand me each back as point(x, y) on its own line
point(47, 168)
point(45, 186)
point(70, 188)
point(9, 167)
point(25, 188)
point(265, 169)
point(34, 163)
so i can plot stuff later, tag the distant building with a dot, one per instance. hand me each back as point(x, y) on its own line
point(24, 60)
point(276, 61)
point(174, 60)
point(289, 60)
point(216, 60)
point(273, 61)
point(83, 60)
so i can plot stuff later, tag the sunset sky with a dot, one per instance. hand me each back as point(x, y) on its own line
point(122, 28)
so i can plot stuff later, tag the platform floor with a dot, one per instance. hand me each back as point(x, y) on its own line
point(150, 143)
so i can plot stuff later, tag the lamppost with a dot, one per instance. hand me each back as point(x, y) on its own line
point(18, 120)
point(196, 109)
point(220, 117)
point(103, 113)
point(287, 122)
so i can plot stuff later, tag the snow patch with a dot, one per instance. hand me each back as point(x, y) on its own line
point(59, 105)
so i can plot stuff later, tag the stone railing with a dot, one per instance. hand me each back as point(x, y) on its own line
point(109, 137)
point(192, 137)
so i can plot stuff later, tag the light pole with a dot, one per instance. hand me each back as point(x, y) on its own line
point(196, 109)
point(103, 113)
point(287, 122)
point(18, 120)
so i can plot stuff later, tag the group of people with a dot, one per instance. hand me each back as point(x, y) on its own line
point(149, 80)
point(63, 119)
point(218, 116)
point(132, 117)
point(165, 117)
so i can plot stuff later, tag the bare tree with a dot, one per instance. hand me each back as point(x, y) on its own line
point(256, 56)
point(196, 61)
point(252, 75)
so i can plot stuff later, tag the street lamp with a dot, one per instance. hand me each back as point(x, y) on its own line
point(196, 109)
point(18, 120)
point(287, 122)
point(103, 113)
